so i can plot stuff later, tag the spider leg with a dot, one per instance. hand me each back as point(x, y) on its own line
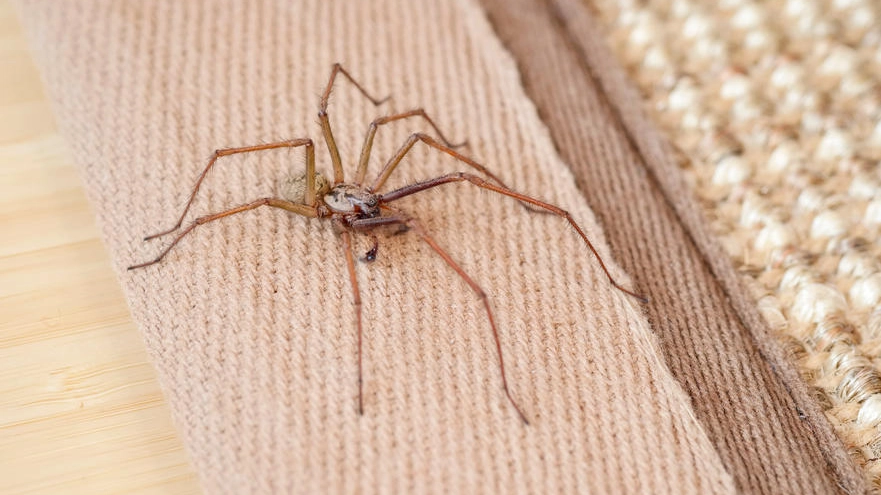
point(310, 173)
point(425, 138)
point(411, 141)
point(304, 210)
point(484, 184)
point(371, 132)
point(353, 278)
point(338, 175)
point(400, 218)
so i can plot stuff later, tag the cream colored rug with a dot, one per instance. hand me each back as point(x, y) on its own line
point(776, 109)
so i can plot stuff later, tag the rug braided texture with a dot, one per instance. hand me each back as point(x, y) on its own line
point(775, 109)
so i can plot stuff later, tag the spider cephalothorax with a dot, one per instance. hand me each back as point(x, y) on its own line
point(343, 201)
point(357, 208)
point(354, 201)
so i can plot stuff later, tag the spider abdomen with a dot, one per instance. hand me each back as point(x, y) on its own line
point(293, 188)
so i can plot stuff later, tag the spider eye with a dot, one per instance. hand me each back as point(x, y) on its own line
point(372, 201)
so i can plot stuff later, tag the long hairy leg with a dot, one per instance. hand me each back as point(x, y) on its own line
point(304, 210)
point(293, 143)
point(356, 292)
point(400, 218)
point(338, 175)
point(371, 133)
point(413, 139)
point(393, 162)
point(485, 184)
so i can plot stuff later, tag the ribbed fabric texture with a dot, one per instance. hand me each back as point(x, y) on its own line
point(250, 320)
point(769, 432)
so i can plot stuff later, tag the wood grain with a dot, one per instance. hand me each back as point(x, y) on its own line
point(80, 408)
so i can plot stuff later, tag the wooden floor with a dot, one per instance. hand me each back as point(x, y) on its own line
point(80, 408)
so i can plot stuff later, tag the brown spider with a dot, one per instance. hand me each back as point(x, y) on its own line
point(356, 207)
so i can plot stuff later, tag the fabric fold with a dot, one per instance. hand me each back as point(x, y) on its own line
point(770, 434)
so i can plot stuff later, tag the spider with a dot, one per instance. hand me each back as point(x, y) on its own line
point(358, 207)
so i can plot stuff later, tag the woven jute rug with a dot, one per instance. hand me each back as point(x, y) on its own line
point(250, 320)
point(775, 108)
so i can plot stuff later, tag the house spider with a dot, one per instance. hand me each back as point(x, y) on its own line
point(359, 207)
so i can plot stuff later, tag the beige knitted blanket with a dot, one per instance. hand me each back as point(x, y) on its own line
point(250, 320)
